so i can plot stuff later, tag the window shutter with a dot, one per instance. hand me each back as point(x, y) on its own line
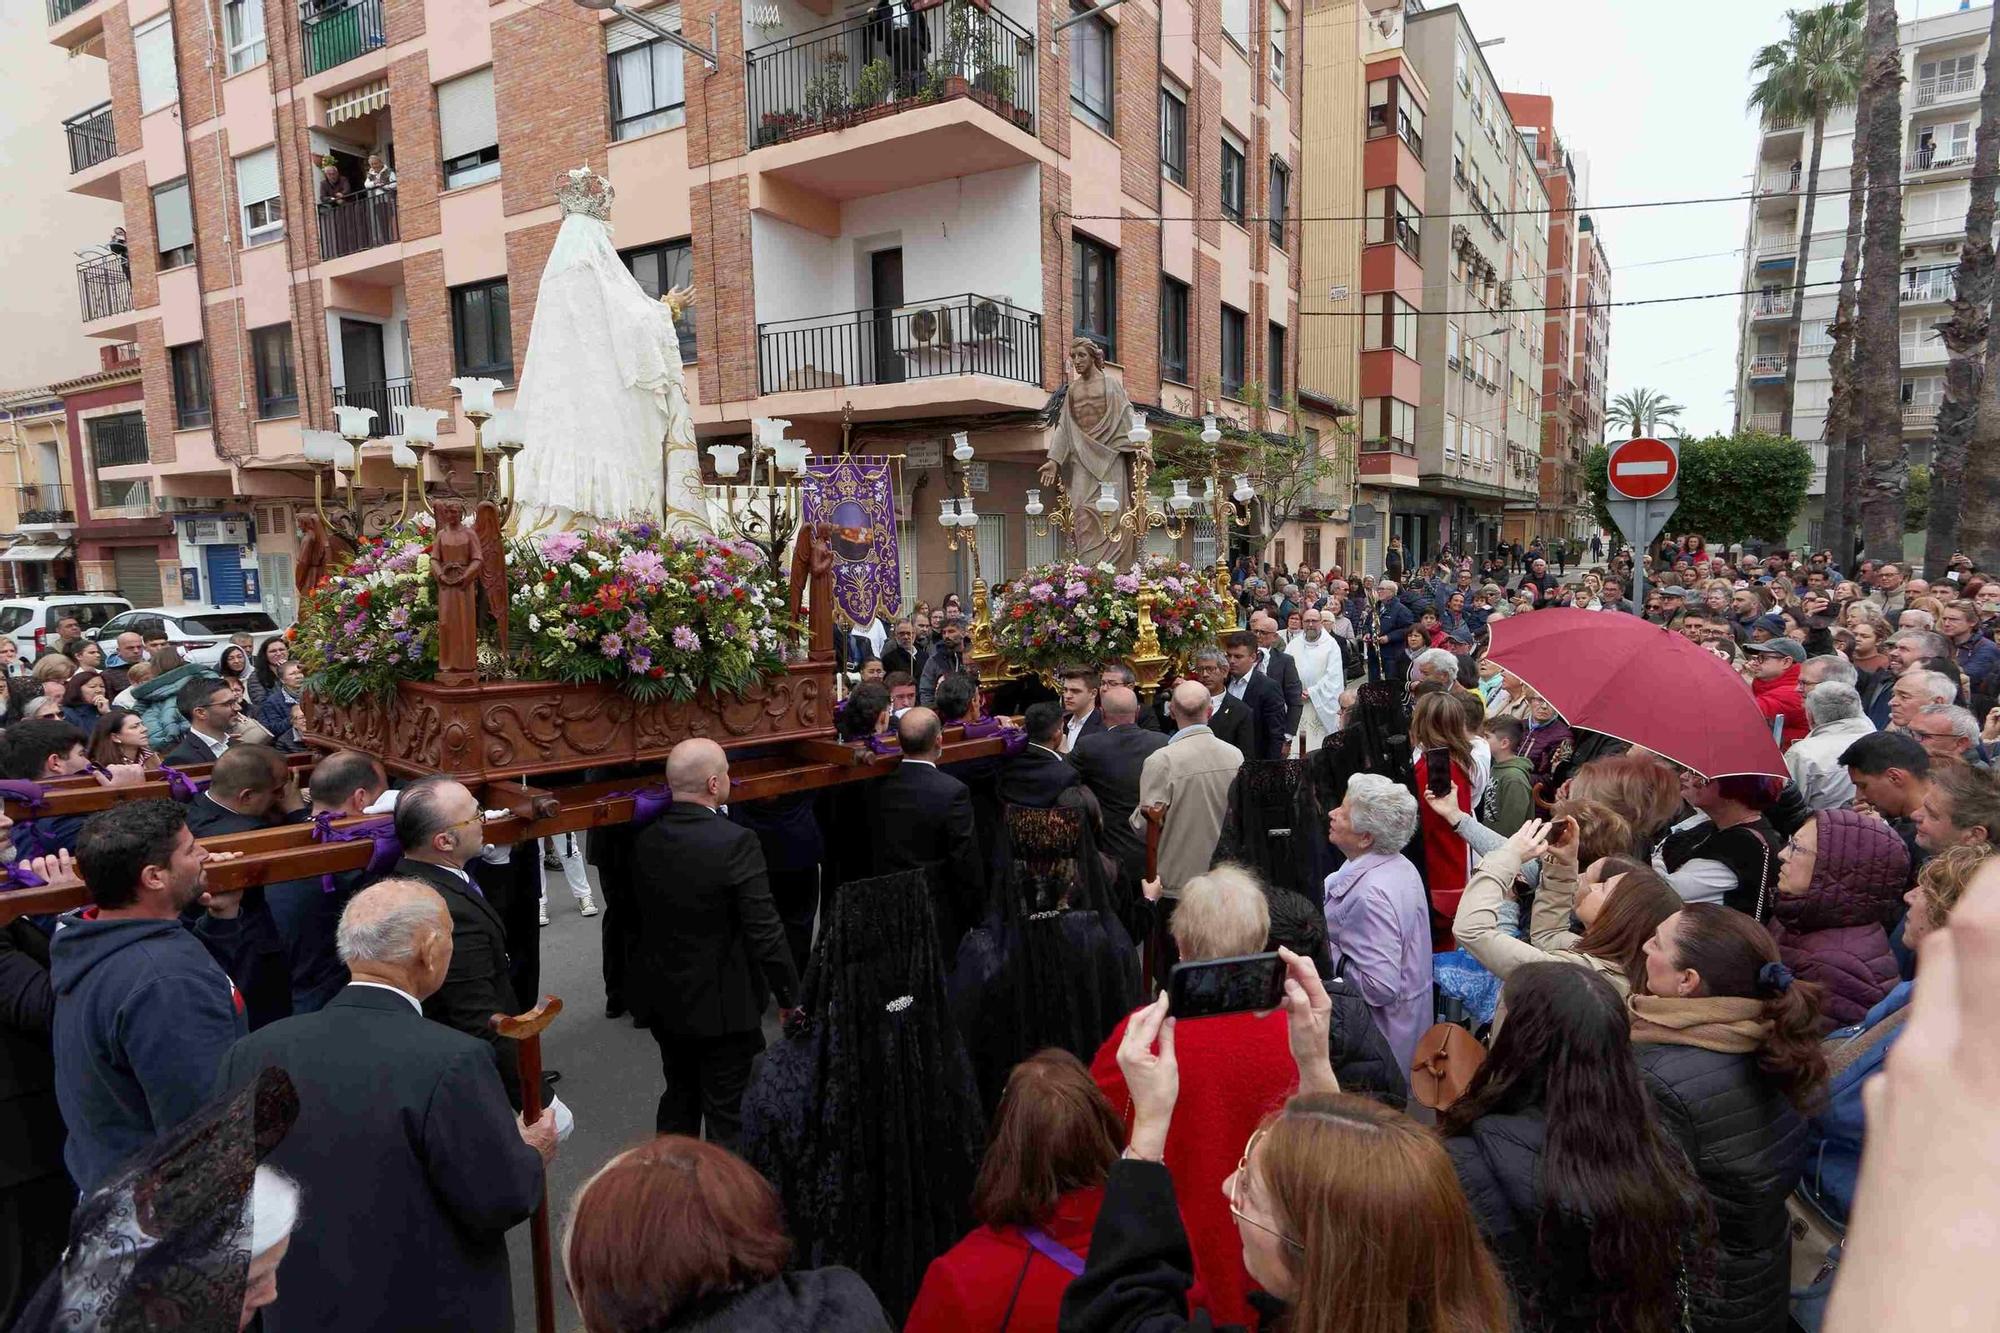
point(153, 47)
point(257, 176)
point(625, 34)
point(173, 220)
point(466, 119)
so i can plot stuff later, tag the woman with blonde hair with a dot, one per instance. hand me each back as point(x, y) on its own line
point(1641, 787)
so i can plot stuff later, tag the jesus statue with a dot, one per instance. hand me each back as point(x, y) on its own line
point(1089, 449)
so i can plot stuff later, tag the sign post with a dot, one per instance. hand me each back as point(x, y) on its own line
point(1645, 489)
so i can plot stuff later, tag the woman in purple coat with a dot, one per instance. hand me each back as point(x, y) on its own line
point(1840, 885)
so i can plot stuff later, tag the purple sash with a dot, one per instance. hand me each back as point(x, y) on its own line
point(1057, 1252)
point(182, 787)
point(382, 832)
point(648, 803)
point(17, 876)
point(26, 792)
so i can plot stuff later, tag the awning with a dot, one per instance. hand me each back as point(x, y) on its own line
point(358, 102)
point(25, 553)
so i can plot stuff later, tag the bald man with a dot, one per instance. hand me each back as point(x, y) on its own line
point(1190, 775)
point(920, 818)
point(1111, 762)
point(710, 948)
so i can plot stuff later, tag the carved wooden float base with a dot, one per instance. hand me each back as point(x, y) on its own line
point(495, 730)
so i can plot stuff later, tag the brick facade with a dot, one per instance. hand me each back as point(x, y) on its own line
point(158, 379)
point(727, 312)
point(419, 174)
point(549, 95)
point(430, 331)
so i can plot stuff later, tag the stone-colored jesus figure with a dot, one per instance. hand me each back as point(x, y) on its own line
point(1090, 448)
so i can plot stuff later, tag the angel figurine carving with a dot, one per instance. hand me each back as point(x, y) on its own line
point(608, 430)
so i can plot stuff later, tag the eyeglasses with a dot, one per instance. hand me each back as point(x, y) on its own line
point(1236, 1196)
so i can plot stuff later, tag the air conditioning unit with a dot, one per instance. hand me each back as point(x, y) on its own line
point(184, 504)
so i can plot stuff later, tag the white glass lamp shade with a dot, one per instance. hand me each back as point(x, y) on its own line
point(768, 431)
point(1210, 436)
point(967, 516)
point(791, 455)
point(318, 445)
point(401, 454)
point(1180, 500)
point(343, 455)
point(354, 421)
point(961, 448)
point(508, 426)
point(948, 513)
point(476, 392)
point(1138, 434)
point(1208, 491)
point(1034, 505)
point(1107, 499)
point(728, 457)
point(1244, 492)
point(420, 424)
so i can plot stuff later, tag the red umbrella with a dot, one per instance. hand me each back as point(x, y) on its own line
point(1642, 683)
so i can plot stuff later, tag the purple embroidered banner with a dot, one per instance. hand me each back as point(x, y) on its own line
point(857, 498)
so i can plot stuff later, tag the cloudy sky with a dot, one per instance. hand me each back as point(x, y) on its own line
point(1651, 94)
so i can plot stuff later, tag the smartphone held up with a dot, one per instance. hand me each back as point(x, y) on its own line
point(1251, 983)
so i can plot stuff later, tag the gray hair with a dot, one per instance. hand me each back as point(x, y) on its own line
point(371, 931)
point(1211, 657)
point(1221, 914)
point(1963, 724)
point(1919, 619)
point(1832, 701)
point(1833, 668)
point(1936, 684)
point(1434, 659)
point(1390, 584)
point(1927, 643)
point(1383, 809)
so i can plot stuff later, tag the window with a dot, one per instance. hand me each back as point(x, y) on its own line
point(1464, 68)
point(1096, 292)
point(243, 20)
point(1278, 44)
point(1392, 217)
point(482, 342)
point(1816, 336)
point(1458, 158)
point(1389, 423)
point(117, 441)
point(1274, 364)
point(660, 269)
point(1233, 334)
point(1450, 344)
point(153, 49)
point(1173, 134)
point(468, 129)
point(1450, 436)
point(1378, 108)
point(1232, 177)
point(173, 225)
point(1236, 22)
point(1174, 330)
point(1281, 199)
point(277, 391)
point(1391, 322)
point(1090, 71)
point(257, 192)
point(1919, 339)
point(647, 89)
point(190, 372)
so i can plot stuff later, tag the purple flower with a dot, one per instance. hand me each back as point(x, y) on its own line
point(1041, 592)
point(399, 617)
point(560, 547)
point(686, 639)
point(645, 567)
point(1075, 590)
point(1173, 586)
point(611, 645)
point(637, 627)
point(1128, 583)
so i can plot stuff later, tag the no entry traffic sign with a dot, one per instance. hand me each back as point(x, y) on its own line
point(1644, 468)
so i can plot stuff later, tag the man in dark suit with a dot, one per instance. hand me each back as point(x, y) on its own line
point(1258, 694)
point(1229, 718)
point(1079, 701)
point(1382, 628)
point(711, 949)
point(1113, 675)
point(923, 821)
point(304, 913)
point(1109, 763)
point(404, 1143)
point(211, 709)
point(250, 788)
point(1038, 774)
point(1276, 665)
point(904, 653)
point(439, 824)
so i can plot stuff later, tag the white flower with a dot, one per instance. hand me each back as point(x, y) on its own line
point(598, 558)
point(534, 623)
point(578, 571)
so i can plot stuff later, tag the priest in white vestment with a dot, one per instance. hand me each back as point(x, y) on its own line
point(1322, 676)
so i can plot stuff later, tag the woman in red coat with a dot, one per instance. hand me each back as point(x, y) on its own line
point(1438, 722)
point(1038, 1193)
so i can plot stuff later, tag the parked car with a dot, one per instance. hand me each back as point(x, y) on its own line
point(31, 621)
point(199, 632)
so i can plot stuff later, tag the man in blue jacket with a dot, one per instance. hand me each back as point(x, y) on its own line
point(144, 1013)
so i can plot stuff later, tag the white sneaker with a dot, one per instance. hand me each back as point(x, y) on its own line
point(543, 914)
point(586, 906)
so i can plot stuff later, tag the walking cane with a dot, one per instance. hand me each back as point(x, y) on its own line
point(1156, 819)
point(526, 1031)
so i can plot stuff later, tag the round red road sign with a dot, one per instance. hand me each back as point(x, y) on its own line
point(1643, 468)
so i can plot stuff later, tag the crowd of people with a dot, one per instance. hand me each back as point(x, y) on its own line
point(1572, 1036)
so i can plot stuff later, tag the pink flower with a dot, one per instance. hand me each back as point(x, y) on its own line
point(611, 645)
point(559, 547)
point(686, 639)
point(645, 567)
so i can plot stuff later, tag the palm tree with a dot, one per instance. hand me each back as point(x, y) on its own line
point(1877, 374)
point(1965, 333)
point(1813, 71)
point(1641, 411)
point(1842, 441)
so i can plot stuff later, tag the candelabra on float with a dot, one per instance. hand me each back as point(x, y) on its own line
point(961, 524)
point(1234, 507)
point(764, 513)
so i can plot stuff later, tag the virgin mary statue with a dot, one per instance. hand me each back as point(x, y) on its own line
point(601, 392)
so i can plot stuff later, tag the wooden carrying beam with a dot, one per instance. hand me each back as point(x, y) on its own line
point(85, 795)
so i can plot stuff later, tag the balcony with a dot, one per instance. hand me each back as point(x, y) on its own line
point(45, 505)
point(334, 32)
point(1782, 248)
point(1767, 365)
point(966, 335)
point(1930, 92)
point(1935, 158)
point(359, 222)
point(91, 139)
point(1778, 182)
point(1770, 423)
point(1771, 305)
point(118, 441)
point(1919, 416)
point(383, 397)
point(1933, 288)
point(103, 287)
point(62, 9)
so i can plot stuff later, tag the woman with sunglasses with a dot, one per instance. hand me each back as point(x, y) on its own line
point(1349, 1213)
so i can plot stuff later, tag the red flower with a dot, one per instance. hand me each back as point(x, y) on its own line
point(1104, 624)
point(587, 609)
point(701, 599)
point(548, 576)
point(657, 672)
point(362, 598)
point(741, 594)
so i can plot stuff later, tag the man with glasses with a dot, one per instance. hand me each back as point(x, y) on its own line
point(1948, 732)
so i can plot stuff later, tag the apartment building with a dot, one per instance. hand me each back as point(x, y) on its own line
point(895, 217)
point(36, 516)
point(1942, 58)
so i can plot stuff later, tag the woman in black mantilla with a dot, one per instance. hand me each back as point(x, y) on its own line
point(865, 1116)
point(1051, 965)
point(1271, 826)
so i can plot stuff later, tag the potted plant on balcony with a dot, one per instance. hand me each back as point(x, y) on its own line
point(872, 90)
point(824, 100)
point(948, 70)
point(776, 127)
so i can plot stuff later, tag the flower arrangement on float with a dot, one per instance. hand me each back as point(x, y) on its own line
point(620, 605)
point(1065, 613)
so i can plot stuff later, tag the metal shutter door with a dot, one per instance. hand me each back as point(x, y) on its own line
point(137, 571)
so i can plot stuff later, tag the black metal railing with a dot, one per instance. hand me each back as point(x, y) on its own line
point(62, 9)
point(91, 139)
point(383, 397)
point(118, 441)
point(46, 502)
point(103, 287)
point(845, 73)
point(334, 32)
point(359, 222)
point(951, 335)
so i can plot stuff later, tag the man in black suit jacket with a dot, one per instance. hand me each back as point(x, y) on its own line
point(923, 821)
point(35, 1190)
point(439, 824)
point(1079, 700)
point(1109, 764)
point(211, 709)
point(1230, 719)
point(903, 652)
point(1038, 775)
point(1113, 675)
point(249, 788)
point(1276, 665)
point(711, 949)
point(304, 913)
point(404, 1143)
